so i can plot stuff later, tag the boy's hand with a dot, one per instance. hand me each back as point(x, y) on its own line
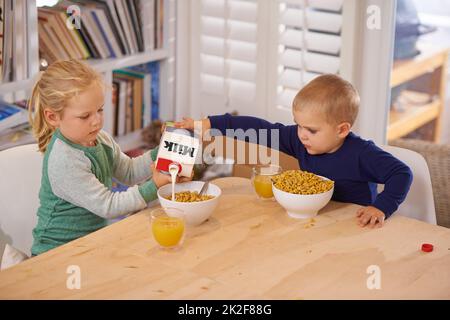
point(191, 124)
point(370, 216)
point(160, 179)
point(187, 123)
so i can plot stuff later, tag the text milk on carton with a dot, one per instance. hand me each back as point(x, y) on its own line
point(178, 146)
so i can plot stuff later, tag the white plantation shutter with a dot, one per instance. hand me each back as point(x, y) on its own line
point(309, 44)
point(226, 57)
point(253, 56)
point(167, 96)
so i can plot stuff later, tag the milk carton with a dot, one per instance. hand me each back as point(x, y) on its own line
point(177, 146)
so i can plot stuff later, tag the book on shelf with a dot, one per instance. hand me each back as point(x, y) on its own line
point(13, 40)
point(20, 59)
point(14, 126)
point(109, 29)
point(11, 116)
point(16, 136)
point(147, 23)
point(159, 23)
point(116, 25)
point(72, 43)
point(2, 19)
point(134, 112)
point(50, 28)
point(119, 106)
point(153, 69)
point(135, 97)
point(145, 94)
point(136, 24)
point(128, 108)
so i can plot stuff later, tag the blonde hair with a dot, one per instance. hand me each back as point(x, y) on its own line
point(331, 96)
point(62, 81)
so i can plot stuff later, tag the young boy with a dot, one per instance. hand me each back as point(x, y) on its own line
point(324, 112)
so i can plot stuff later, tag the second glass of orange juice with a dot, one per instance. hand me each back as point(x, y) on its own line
point(168, 231)
point(262, 180)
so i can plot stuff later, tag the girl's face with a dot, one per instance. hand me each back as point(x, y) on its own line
point(317, 135)
point(82, 118)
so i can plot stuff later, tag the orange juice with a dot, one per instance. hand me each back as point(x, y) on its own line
point(168, 231)
point(263, 186)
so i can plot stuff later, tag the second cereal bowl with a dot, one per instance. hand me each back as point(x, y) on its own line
point(195, 212)
point(302, 206)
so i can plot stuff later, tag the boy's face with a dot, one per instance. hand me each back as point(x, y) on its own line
point(82, 118)
point(317, 135)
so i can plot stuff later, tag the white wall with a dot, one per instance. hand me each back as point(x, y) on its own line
point(374, 53)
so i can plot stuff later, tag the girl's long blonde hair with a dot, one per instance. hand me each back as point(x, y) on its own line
point(62, 81)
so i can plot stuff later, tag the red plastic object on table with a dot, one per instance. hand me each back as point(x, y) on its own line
point(426, 247)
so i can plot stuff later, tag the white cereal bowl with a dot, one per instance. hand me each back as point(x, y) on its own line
point(302, 206)
point(195, 212)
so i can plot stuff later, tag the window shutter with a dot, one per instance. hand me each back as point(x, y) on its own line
point(227, 56)
point(253, 56)
point(309, 44)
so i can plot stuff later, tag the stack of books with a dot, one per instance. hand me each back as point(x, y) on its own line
point(12, 115)
point(135, 97)
point(14, 125)
point(100, 28)
point(13, 40)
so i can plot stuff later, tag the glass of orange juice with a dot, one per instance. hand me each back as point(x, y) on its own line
point(168, 231)
point(262, 180)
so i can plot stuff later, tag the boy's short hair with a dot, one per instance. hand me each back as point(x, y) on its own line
point(330, 95)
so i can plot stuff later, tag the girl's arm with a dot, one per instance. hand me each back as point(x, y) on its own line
point(130, 171)
point(71, 179)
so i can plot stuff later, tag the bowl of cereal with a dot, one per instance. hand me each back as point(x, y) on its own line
point(197, 209)
point(302, 193)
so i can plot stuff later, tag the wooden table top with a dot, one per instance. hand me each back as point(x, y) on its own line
point(247, 250)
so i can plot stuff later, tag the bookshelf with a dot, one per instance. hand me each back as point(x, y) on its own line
point(428, 104)
point(21, 89)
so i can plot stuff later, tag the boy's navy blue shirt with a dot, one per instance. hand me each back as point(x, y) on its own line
point(356, 167)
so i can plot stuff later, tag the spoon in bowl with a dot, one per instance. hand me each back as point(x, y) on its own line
point(204, 188)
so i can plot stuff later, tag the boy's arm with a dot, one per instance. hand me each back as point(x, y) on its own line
point(381, 167)
point(272, 135)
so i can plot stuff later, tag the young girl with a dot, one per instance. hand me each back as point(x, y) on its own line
point(80, 159)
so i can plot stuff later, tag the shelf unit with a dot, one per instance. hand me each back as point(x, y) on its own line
point(431, 60)
point(18, 90)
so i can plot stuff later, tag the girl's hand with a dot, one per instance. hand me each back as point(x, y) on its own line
point(160, 179)
point(370, 216)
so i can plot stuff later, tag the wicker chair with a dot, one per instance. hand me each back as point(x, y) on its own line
point(438, 160)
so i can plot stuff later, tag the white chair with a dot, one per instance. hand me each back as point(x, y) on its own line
point(419, 203)
point(21, 171)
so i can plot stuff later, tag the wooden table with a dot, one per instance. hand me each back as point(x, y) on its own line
point(247, 250)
